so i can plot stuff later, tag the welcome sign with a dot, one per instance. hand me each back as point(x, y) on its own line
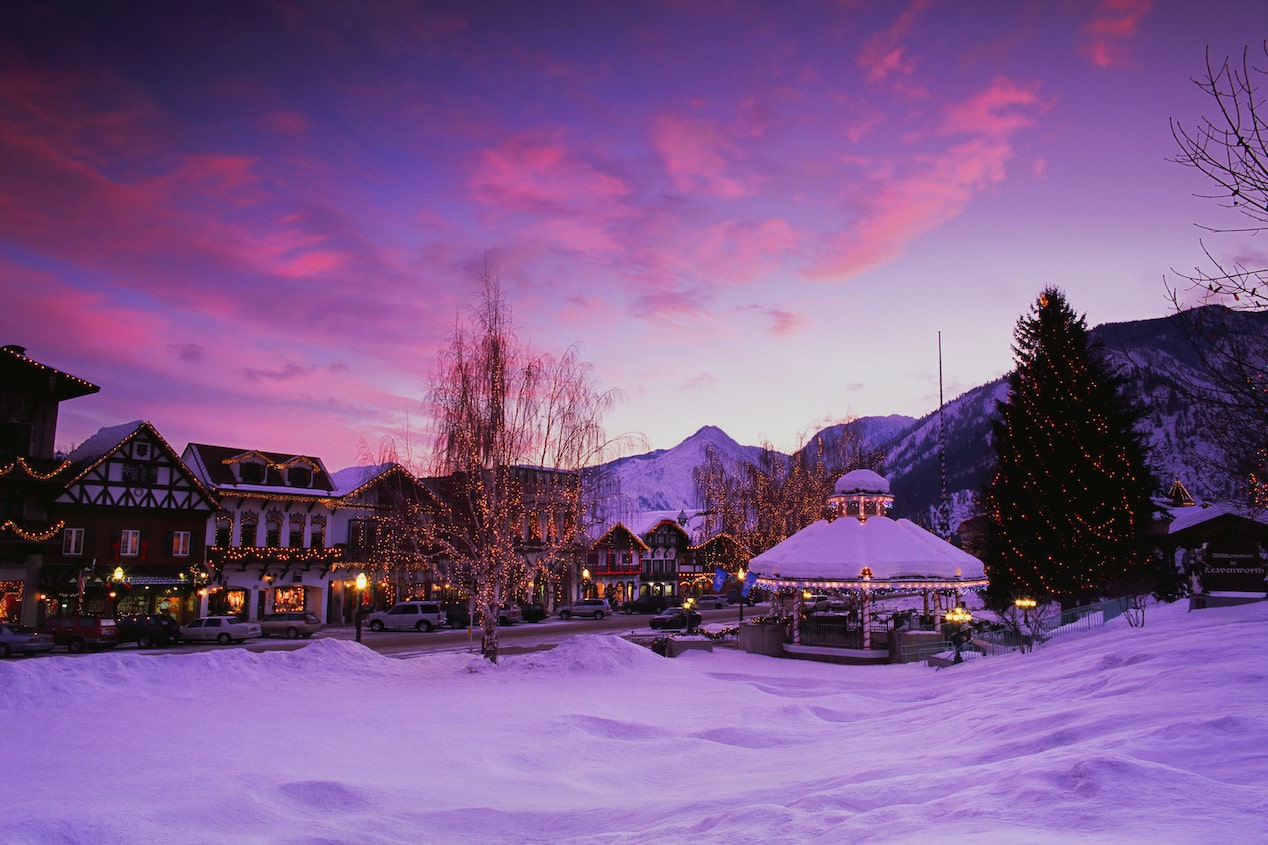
point(1234, 569)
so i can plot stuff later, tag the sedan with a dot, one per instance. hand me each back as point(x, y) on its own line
point(675, 618)
point(220, 629)
point(21, 639)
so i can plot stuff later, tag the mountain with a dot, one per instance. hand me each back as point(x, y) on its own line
point(1153, 356)
point(663, 480)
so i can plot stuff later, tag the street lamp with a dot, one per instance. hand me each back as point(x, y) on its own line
point(959, 615)
point(686, 609)
point(361, 582)
point(1025, 605)
point(585, 583)
point(742, 576)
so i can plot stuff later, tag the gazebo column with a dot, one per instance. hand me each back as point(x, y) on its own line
point(867, 629)
point(798, 605)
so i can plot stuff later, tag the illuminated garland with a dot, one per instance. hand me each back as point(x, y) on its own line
point(21, 463)
point(237, 554)
point(52, 532)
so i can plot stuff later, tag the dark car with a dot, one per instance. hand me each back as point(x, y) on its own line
point(676, 619)
point(148, 629)
point(290, 624)
point(19, 639)
point(459, 616)
point(80, 632)
point(645, 604)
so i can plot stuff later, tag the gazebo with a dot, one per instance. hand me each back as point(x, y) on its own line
point(859, 548)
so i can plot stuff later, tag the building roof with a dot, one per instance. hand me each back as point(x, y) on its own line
point(19, 369)
point(214, 464)
point(836, 553)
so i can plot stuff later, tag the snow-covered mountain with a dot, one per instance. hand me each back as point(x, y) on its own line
point(663, 480)
point(1154, 358)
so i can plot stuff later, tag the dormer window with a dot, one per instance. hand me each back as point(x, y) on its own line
point(250, 472)
point(300, 476)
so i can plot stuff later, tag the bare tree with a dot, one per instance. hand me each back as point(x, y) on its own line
point(762, 502)
point(513, 432)
point(1231, 150)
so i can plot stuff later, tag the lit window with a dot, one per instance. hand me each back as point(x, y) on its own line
point(129, 543)
point(73, 541)
point(180, 544)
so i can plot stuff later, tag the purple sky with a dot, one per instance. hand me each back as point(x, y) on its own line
point(254, 223)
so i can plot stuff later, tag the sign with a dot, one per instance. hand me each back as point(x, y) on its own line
point(749, 581)
point(1233, 568)
point(719, 578)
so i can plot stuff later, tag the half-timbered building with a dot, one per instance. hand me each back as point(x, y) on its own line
point(134, 528)
point(270, 542)
point(30, 476)
point(380, 509)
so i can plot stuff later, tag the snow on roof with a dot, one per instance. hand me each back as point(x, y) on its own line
point(350, 478)
point(891, 549)
point(103, 441)
point(862, 481)
point(1187, 517)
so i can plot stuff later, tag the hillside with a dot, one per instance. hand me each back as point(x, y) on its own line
point(1152, 354)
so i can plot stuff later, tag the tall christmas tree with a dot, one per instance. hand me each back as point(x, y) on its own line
point(1070, 495)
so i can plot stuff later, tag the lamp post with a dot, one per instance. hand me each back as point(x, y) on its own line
point(742, 576)
point(1025, 604)
point(959, 615)
point(360, 598)
point(686, 610)
point(585, 583)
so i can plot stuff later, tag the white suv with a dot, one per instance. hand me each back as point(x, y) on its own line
point(408, 616)
point(594, 608)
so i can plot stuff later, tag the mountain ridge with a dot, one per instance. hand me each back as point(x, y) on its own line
point(1151, 354)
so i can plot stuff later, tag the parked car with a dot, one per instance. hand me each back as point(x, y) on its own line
point(148, 629)
point(594, 608)
point(220, 629)
point(290, 624)
point(645, 604)
point(711, 602)
point(736, 597)
point(532, 612)
point(810, 604)
point(408, 616)
point(459, 615)
point(676, 618)
point(19, 639)
point(82, 632)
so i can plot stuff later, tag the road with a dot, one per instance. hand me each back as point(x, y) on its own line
point(513, 639)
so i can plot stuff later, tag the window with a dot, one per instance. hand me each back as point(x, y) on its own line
point(224, 529)
point(273, 529)
point(73, 541)
point(300, 476)
point(296, 525)
point(142, 450)
point(15, 439)
point(251, 473)
point(129, 543)
point(134, 472)
point(250, 523)
point(180, 544)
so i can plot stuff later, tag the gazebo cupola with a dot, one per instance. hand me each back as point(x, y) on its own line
point(860, 493)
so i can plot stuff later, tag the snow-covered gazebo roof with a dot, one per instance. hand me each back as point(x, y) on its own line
point(862, 546)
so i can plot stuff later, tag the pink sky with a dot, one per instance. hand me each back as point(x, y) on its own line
point(253, 224)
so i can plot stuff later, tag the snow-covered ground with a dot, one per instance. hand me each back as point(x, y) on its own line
point(1153, 735)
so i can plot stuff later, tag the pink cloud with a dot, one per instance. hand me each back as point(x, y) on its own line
point(1106, 36)
point(904, 201)
point(885, 58)
point(540, 174)
point(697, 154)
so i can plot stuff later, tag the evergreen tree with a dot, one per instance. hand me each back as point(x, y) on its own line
point(1070, 494)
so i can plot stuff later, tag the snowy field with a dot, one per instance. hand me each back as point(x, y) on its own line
point(1122, 735)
